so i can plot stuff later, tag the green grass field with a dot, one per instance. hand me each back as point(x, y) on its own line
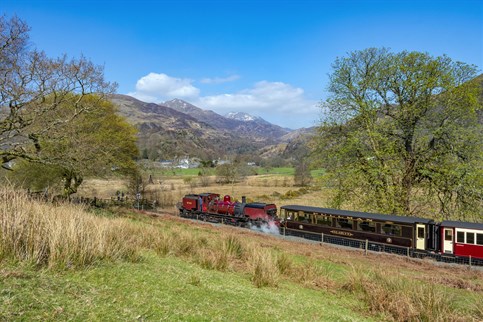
point(282, 171)
point(62, 262)
point(157, 289)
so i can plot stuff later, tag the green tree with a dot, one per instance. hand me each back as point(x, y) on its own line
point(302, 176)
point(55, 120)
point(402, 134)
point(97, 143)
point(33, 85)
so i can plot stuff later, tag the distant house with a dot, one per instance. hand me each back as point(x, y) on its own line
point(187, 163)
point(183, 164)
point(166, 163)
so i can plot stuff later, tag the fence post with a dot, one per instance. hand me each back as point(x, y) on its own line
point(367, 246)
point(408, 251)
point(284, 230)
point(322, 238)
point(470, 261)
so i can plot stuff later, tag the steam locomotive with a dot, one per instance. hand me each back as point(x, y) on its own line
point(211, 207)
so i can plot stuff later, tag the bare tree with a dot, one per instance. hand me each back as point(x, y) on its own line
point(32, 85)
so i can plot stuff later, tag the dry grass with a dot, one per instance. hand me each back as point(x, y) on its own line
point(385, 292)
point(102, 188)
point(265, 188)
point(60, 236)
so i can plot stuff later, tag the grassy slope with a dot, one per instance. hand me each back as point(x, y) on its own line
point(175, 269)
point(161, 288)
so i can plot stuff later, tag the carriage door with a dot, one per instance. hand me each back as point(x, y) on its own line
point(448, 241)
point(420, 236)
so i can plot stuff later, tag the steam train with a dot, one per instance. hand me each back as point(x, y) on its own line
point(211, 207)
point(449, 241)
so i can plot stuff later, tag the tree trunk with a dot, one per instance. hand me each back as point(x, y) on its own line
point(72, 183)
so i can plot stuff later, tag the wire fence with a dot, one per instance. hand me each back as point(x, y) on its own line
point(370, 246)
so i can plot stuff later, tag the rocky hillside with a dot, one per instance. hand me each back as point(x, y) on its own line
point(166, 132)
point(251, 128)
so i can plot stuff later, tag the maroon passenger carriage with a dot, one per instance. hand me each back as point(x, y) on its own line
point(210, 207)
point(448, 241)
point(462, 239)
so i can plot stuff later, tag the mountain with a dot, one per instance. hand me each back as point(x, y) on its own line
point(290, 144)
point(257, 129)
point(164, 132)
point(206, 116)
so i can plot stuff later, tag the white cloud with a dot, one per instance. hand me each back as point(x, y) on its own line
point(264, 97)
point(276, 102)
point(157, 87)
point(220, 80)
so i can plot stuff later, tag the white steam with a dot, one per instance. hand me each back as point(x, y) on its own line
point(267, 228)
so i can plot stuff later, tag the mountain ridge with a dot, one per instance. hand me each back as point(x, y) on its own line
point(177, 127)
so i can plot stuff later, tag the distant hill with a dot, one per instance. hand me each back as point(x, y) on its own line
point(254, 129)
point(291, 144)
point(177, 128)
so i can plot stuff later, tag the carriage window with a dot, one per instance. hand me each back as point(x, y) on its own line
point(324, 220)
point(389, 229)
point(460, 237)
point(421, 232)
point(479, 239)
point(448, 235)
point(344, 223)
point(366, 226)
point(291, 215)
point(303, 217)
point(470, 238)
point(283, 214)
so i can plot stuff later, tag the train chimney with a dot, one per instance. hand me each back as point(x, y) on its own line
point(244, 199)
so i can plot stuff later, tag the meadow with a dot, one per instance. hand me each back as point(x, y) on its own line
point(274, 185)
point(66, 262)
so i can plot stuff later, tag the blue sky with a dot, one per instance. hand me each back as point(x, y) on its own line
point(266, 58)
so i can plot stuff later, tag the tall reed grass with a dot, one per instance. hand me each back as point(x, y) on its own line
point(61, 236)
point(263, 267)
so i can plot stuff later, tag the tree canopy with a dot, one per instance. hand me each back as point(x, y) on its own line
point(402, 134)
point(32, 84)
point(55, 119)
